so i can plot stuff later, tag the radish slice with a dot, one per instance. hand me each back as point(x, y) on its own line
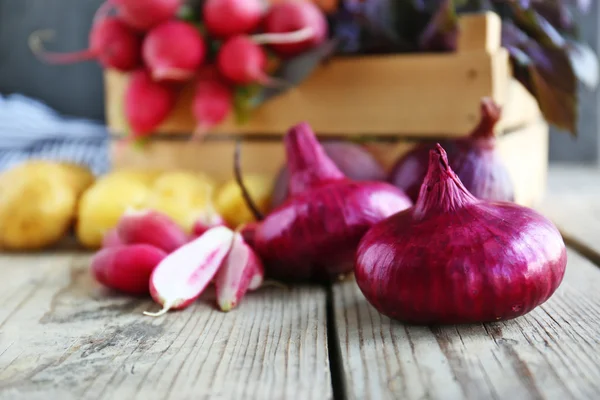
point(181, 277)
point(257, 279)
point(241, 271)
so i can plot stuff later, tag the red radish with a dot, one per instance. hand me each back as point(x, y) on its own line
point(226, 18)
point(243, 62)
point(181, 277)
point(241, 270)
point(111, 239)
point(293, 27)
point(453, 258)
point(146, 14)
point(151, 227)
point(206, 222)
point(174, 51)
point(213, 102)
point(147, 103)
point(111, 42)
point(127, 268)
point(314, 234)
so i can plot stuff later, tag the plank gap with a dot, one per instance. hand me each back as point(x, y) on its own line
point(338, 383)
point(581, 248)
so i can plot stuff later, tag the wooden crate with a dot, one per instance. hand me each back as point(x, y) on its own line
point(399, 99)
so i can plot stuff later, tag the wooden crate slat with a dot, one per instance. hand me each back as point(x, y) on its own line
point(384, 95)
point(62, 336)
point(480, 32)
point(525, 153)
point(550, 353)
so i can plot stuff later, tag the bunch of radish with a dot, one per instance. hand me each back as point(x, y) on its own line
point(163, 52)
point(148, 253)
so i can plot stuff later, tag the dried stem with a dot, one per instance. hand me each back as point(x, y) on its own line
point(238, 178)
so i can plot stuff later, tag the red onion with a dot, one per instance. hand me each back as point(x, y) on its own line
point(474, 159)
point(352, 159)
point(453, 258)
point(314, 234)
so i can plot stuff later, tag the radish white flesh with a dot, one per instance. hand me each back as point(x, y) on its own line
point(241, 271)
point(181, 277)
point(257, 280)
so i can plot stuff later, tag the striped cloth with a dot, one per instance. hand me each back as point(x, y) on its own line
point(31, 129)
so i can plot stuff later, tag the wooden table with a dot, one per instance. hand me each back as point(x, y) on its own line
point(64, 337)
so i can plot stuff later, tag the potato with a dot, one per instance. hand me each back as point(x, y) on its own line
point(183, 196)
point(80, 178)
point(102, 205)
point(77, 177)
point(139, 175)
point(37, 206)
point(231, 205)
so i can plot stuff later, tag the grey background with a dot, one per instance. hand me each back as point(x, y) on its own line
point(77, 89)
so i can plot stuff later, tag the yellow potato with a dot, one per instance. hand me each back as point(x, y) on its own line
point(80, 178)
point(134, 174)
point(37, 206)
point(77, 177)
point(102, 205)
point(183, 196)
point(231, 205)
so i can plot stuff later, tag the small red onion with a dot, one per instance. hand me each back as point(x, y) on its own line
point(314, 234)
point(474, 159)
point(352, 159)
point(453, 258)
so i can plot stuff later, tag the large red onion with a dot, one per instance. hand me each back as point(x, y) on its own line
point(352, 159)
point(453, 258)
point(474, 159)
point(314, 234)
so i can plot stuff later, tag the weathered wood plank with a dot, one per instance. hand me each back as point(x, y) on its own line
point(551, 353)
point(573, 203)
point(63, 336)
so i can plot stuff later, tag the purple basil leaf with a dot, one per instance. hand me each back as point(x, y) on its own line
point(294, 71)
point(370, 26)
point(513, 36)
point(536, 26)
point(548, 73)
point(555, 85)
point(558, 102)
point(582, 5)
point(584, 62)
point(558, 14)
point(348, 32)
point(441, 32)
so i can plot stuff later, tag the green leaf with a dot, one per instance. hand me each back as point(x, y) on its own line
point(244, 102)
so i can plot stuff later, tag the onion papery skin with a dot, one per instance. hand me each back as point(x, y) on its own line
point(313, 235)
point(453, 258)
